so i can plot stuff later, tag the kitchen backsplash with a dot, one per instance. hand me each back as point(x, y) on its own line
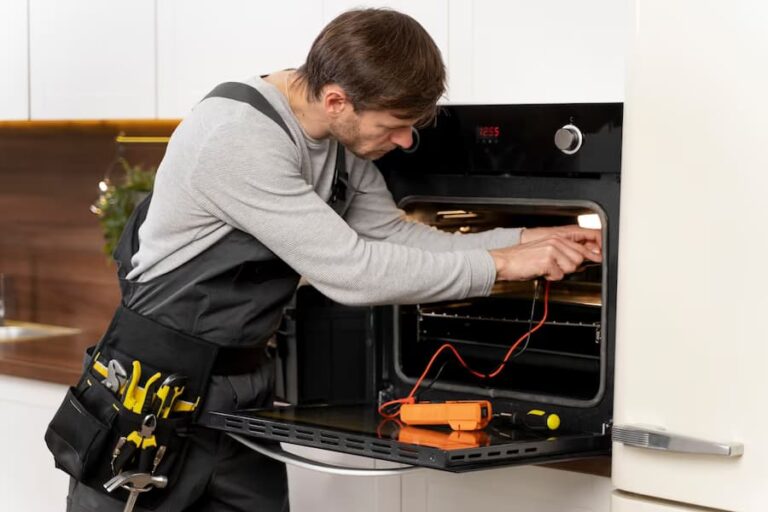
point(50, 243)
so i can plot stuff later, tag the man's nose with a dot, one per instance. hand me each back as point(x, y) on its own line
point(403, 137)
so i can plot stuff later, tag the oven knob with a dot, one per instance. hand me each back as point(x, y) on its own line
point(568, 139)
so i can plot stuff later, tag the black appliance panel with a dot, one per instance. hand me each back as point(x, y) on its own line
point(515, 140)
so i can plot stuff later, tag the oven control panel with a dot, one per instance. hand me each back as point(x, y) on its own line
point(527, 140)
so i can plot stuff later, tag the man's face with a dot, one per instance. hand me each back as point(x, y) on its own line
point(373, 133)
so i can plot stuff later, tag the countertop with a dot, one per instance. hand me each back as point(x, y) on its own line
point(55, 359)
point(59, 359)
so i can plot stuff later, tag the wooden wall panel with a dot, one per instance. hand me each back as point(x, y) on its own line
point(50, 243)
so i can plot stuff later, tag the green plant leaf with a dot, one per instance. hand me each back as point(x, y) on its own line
point(115, 205)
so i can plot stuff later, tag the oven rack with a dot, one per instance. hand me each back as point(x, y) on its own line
point(475, 343)
point(473, 318)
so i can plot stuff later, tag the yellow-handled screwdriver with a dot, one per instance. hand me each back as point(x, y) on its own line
point(534, 419)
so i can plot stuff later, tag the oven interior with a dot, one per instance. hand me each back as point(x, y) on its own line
point(336, 354)
point(560, 363)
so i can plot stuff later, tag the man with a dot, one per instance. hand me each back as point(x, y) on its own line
point(250, 196)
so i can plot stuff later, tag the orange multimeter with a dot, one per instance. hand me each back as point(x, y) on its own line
point(460, 414)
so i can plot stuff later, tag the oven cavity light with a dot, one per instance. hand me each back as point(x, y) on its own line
point(591, 220)
point(456, 214)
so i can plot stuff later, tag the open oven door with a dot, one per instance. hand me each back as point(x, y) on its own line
point(359, 430)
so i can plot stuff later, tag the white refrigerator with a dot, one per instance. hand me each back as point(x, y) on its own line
point(692, 325)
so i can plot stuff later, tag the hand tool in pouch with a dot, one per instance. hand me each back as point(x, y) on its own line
point(114, 374)
point(129, 398)
point(127, 446)
point(162, 403)
point(135, 483)
point(148, 442)
point(139, 401)
point(170, 389)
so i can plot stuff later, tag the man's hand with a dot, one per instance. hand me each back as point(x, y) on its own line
point(591, 238)
point(548, 252)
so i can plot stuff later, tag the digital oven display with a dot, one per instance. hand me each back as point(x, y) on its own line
point(488, 134)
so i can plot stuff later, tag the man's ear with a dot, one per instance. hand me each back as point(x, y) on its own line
point(335, 100)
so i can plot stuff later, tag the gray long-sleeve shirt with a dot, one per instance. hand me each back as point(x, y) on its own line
point(228, 166)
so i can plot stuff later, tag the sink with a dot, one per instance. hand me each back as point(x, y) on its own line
point(15, 331)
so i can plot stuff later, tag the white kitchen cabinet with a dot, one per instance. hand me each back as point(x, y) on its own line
point(92, 59)
point(201, 44)
point(28, 479)
point(691, 344)
point(553, 51)
point(311, 491)
point(14, 70)
point(513, 489)
point(431, 14)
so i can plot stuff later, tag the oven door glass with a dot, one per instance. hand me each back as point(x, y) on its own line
point(360, 430)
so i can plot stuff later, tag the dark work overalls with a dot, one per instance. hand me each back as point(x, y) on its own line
point(232, 295)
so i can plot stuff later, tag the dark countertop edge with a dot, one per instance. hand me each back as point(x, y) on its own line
point(598, 466)
point(55, 359)
point(35, 371)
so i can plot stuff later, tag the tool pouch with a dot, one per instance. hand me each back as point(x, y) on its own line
point(78, 433)
point(87, 426)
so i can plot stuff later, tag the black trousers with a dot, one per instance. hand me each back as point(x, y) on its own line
point(219, 473)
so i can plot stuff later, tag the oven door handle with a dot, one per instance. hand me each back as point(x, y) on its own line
point(656, 438)
point(281, 455)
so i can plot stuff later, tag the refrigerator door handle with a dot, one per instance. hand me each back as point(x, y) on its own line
point(281, 455)
point(656, 438)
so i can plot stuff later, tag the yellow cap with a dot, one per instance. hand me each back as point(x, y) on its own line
point(553, 421)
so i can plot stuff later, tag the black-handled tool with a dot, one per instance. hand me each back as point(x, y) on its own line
point(126, 447)
point(170, 389)
point(534, 419)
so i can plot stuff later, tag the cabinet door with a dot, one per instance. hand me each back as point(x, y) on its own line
point(28, 479)
point(202, 43)
point(691, 344)
point(431, 14)
point(14, 52)
point(92, 59)
point(553, 51)
point(311, 490)
point(521, 489)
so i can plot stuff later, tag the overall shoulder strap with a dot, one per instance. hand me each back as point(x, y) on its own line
point(245, 93)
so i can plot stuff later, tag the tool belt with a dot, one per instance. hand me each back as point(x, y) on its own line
point(110, 424)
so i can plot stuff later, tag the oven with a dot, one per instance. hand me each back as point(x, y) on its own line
point(479, 167)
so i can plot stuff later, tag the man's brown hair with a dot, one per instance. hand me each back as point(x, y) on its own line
point(383, 59)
